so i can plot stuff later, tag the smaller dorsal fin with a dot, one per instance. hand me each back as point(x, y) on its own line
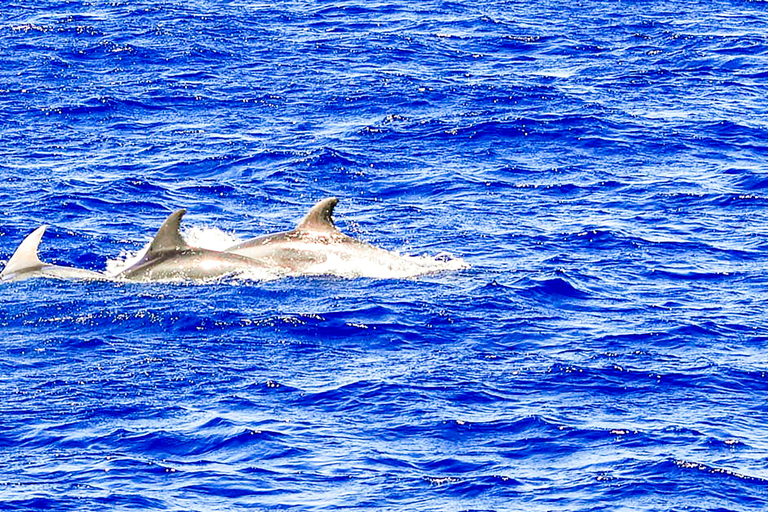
point(25, 256)
point(319, 218)
point(168, 237)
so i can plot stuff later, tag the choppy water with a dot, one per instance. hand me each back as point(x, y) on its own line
point(600, 165)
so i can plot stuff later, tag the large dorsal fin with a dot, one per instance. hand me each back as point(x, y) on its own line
point(168, 237)
point(319, 218)
point(25, 256)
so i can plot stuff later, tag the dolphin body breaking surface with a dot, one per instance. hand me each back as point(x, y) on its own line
point(316, 246)
point(25, 263)
point(169, 257)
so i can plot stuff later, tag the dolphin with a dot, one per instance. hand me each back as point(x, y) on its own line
point(25, 263)
point(169, 257)
point(315, 240)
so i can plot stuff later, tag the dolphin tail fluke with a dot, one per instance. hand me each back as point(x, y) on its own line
point(168, 237)
point(25, 256)
point(319, 218)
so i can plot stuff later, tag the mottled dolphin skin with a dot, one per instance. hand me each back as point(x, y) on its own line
point(25, 263)
point(169, 257)
point(312, 242)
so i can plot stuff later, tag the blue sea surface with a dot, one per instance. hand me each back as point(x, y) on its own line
point(601, 166)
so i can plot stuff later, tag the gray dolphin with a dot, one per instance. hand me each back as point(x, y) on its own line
point(169, 257)
point(25, 263)
point(312, 242)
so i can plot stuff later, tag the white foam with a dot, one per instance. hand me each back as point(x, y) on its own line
point(124, 260)
point(210, 238)
point(383, 266)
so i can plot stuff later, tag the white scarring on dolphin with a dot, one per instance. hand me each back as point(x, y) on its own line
point(169, 257)
point(315, 239)
point(25, 263)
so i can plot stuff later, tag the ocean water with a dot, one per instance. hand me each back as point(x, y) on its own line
point(599, 169)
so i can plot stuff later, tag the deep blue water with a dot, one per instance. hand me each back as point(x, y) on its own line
point(602, 166)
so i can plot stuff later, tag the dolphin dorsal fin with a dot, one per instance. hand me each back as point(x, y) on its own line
point(319, 218)
point(168, 237)
point(25, 256)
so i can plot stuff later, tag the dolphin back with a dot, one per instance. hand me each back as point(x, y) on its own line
point(168, 237)
point(25, 263)
point(319, 219)
point(25, 258)
point(169, 257)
